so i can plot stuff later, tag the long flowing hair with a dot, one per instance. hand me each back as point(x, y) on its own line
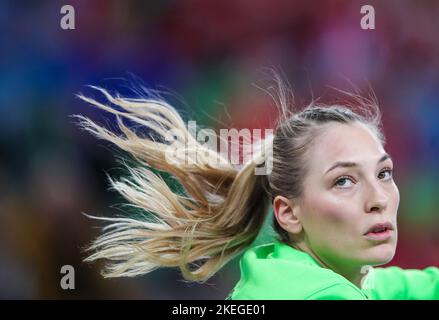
point(214, 216)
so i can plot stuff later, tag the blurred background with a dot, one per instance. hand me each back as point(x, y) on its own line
point(209, 54)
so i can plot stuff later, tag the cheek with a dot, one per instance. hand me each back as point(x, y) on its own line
point(330, 214)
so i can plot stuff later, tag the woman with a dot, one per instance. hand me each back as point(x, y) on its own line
point(330, 185)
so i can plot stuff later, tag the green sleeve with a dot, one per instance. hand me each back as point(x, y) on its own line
point(394, 283)
point(338, 292)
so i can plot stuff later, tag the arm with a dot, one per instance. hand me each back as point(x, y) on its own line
point(394, 283)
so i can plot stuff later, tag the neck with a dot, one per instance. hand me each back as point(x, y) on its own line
point(353, 274)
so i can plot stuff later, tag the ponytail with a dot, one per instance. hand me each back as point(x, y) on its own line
point(219, 214)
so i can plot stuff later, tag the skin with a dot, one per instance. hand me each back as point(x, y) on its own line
point(337, 207)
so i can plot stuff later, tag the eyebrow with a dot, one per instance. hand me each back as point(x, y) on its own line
point(353, 164)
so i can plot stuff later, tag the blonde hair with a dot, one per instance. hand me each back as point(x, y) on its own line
point(221, 209)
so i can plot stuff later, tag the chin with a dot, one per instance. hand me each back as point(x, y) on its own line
point(380, 254)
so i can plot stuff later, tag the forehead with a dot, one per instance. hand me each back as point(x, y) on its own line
point(345, 142)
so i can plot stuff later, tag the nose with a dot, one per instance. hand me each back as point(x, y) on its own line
point(376, 199)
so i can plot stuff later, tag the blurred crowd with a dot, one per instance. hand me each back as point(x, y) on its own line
point(209, 58)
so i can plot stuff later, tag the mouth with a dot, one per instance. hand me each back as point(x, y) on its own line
point(379, 232)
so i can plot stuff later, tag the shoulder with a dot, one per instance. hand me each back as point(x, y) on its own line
point(312, 290)
point(268, 278)
point(338, 291)
point(277, 271)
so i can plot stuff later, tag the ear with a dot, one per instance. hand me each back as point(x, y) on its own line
point(287, 214)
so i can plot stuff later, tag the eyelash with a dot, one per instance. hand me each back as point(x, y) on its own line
point(341, 178)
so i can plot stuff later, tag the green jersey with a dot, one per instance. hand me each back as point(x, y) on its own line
point(278, 271)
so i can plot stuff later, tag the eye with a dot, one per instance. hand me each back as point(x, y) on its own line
point(343, 182)
point(386, 174)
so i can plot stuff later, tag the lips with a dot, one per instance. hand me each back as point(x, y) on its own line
point(380, 227)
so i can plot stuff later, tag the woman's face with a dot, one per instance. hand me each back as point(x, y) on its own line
point(348, 189)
